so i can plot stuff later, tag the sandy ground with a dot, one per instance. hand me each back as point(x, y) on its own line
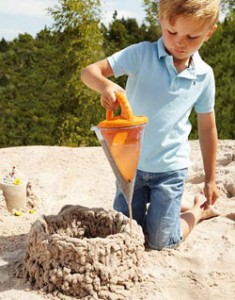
point(203, 267)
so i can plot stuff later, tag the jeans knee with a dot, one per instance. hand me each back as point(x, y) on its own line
point(120, 205)
point(156, 244)
point(162, 241)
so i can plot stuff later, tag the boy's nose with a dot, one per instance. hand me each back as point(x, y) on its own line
point(180, 43)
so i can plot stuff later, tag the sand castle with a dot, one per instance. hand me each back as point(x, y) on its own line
point(84, 252)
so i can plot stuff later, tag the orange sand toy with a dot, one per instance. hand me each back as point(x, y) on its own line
point(123, 136)
point(124, 146)
point(120, 138)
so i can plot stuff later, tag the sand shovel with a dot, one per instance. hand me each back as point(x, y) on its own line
point(121, 139)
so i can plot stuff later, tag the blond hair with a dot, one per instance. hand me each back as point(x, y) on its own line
point(207, 10)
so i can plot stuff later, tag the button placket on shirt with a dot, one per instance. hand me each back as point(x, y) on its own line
point(175, 77)
point(172, 72)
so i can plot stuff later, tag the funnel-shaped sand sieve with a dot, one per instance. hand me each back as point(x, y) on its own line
point(121, 138)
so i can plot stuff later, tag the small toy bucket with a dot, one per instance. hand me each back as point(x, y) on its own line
point(15, 196)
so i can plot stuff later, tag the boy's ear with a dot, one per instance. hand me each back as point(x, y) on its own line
point(210, 32)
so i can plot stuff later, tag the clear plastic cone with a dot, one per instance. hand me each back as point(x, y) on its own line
point(121, 139)
point(124, 145)
point(122, 148)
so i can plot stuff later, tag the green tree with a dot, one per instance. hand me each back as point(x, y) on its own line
point(151, 9)
point(220, 54)
point(3, 45)
point(152, 29)
point(29, 91)
point(78, 25)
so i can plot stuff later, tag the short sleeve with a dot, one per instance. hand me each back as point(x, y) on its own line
point(128, 60)
point(206, 99)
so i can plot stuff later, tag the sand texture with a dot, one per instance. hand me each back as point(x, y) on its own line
point(62, 181)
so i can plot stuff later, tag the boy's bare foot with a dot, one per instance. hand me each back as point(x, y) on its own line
point(207, 213)
point(198, 213)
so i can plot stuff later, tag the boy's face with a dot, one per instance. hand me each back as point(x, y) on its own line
point(185, 36)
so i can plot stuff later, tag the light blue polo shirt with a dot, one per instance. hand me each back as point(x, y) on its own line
point(155, 89)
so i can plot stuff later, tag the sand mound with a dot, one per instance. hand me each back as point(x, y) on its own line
point(203, 267)
point(83, 252)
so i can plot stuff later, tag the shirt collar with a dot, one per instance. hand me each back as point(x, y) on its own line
point(161, 49)
point(197, 65)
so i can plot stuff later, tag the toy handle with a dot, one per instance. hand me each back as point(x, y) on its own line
point(126, 111)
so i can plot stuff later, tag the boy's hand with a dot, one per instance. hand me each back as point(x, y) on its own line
point(108, 97)
point(96, 76)
point(211, 193)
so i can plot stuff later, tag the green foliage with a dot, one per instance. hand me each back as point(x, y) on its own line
point(151, 8)
point(29, 91)
point(43, 101)
point(219, 53)
point(3, 45)
point(81, 41)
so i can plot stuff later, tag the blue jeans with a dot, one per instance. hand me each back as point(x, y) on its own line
point(156, 206)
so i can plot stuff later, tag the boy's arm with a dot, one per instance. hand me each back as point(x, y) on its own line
point(95, 76)
point(208, 143)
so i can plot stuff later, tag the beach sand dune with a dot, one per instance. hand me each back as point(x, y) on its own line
point(203, 267)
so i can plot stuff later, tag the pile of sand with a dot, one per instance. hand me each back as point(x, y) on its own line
point(84, 252)
point(203, 267)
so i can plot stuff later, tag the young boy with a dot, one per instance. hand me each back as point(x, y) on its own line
point(166, 79)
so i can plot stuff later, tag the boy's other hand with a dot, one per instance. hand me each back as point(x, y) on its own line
point(211, 193)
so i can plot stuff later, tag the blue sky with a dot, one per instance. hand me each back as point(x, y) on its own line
point(21, 16)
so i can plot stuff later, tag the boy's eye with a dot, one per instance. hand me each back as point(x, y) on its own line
point(171, 32)
point(192, 37)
